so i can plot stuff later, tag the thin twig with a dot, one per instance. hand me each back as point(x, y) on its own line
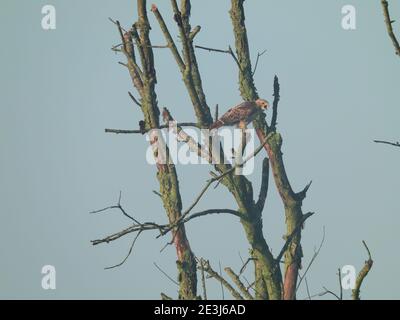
point(315, 255)
point(134, 99)
point(224, 284)
point(260, 54)
point(389, 27)
point(308, 290)
point(118, 206)
point(212, 49)
point(129, 253)
point(203, 280)
point(243, 268)
point(328, 292)
point(134, 228)
point(396, 144)
point(123, 64)
point(340, 296)
point(138, 131)
point(165, 297)
point(115, 47)
point(157, 193)
point(184, 219)
point(165, 274)
point(220, 274)
point(127, 50)
point(291, 236)
point(229, 51)
point(116, 23)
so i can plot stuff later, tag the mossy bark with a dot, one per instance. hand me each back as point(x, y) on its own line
point(166, 175)
point(292, 201)
point(266, 273)
point(186, 263)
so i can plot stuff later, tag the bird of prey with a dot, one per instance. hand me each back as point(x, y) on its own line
point(242, 114)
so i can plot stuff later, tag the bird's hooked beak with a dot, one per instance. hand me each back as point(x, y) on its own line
point(263, 104)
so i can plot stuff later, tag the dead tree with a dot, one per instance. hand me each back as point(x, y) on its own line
point(270, 281)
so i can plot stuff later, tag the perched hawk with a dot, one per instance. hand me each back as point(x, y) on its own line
point(242, 114)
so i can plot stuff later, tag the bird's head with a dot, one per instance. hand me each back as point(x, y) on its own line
point(262, 104)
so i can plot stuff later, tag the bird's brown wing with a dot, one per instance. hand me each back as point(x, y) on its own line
point(241, 112)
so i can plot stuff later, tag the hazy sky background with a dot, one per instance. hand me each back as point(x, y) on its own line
point(61, 88)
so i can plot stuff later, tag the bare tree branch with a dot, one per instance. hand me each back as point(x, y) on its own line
point(259, 55)
point(115, 22)
point(243, 268)
point(264, 184)
point(168, 37)
point(302, 194)
point(389, 27)
point(165, 274)
point(236, 279)
point(340, 284)
point(129, 253)
point(203, 278)
point(162, 228)
point(229, 51)
point(187, 64)
point(275, 104)
point(115, 47)
point(134, 99)
point(362, 274)
point(222, 287)
point(127, 49)
point(214, 179)
point(118, 206)
point(396, 144)
point(290, 238)
point(165, 297)
point(213, 274)
point(328, 292)
point(139, 131)
point(193, 145)
point(315, 255)
point(308, 290)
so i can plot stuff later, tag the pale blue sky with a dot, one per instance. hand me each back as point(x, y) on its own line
point(61, 88)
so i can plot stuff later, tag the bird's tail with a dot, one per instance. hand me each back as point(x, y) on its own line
point(217, 124)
